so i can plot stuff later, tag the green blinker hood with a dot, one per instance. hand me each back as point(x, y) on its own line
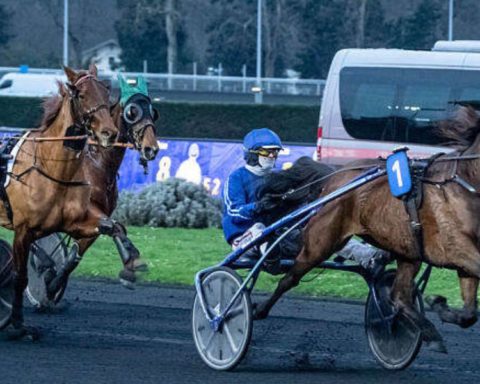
point(127, 90)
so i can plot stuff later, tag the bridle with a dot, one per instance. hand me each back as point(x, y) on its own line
point(76, 137)
point(136, 132)
point(83, 119)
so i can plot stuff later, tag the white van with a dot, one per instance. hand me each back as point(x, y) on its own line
point(30, 84)
point(377, 99)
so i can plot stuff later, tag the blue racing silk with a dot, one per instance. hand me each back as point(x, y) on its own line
point(239, 202)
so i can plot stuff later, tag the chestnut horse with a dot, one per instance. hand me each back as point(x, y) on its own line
point(448, 215)
point(135, 121)
point(44, 194)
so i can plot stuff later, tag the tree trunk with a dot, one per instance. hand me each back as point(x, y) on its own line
point(171, 24)
point(272, 22)
point(360, 40)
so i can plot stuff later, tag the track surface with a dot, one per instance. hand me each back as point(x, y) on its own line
point(106, 334)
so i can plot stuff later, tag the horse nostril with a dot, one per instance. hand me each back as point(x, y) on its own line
point(105, 133)
point(150, 153)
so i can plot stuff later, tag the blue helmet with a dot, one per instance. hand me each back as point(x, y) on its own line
point(259, 138)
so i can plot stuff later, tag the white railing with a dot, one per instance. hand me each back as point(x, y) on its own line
point(204, 83)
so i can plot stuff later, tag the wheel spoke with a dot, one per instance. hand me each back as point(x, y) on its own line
point(231, 342)
point(209, 341)
point(234, 312)
point(5, 303)
point(221, 296)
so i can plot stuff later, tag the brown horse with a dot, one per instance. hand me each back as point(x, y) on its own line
point(448, 214)
point(44, 195)
point(100, 170)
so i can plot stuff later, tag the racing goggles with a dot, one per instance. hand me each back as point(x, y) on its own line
point(137, 109)
point(266, 152)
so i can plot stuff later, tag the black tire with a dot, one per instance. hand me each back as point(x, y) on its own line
point(222, 350)
point(7, 283)
point(394, 349)
point(57, 252)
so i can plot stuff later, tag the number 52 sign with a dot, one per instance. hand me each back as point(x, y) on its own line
point(398, 172)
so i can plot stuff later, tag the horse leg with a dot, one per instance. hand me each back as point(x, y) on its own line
point(74, 257)
point(402, 296)
point(129, 254)
point(21, 246)
point(300, 268)
point(468, 315)
point(323, 236)
point(96, 223)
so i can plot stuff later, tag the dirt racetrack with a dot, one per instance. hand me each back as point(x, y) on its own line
point(106, 334)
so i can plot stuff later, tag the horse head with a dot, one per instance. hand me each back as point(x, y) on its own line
point(89, 100)
point(138, 118)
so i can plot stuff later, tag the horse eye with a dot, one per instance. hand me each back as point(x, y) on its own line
point(132, 112)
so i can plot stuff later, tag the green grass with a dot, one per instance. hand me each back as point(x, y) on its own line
point(174, 255)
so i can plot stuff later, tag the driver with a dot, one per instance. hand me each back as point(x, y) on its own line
point(242, 218)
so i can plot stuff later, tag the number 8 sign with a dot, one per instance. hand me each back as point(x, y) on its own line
point(398, 173)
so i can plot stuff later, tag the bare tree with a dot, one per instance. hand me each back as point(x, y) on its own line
point(360, 36)
point(281, 35)
point(171, 26)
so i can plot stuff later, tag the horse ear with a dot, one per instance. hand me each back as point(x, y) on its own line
point(93, 69)
point(72, 90)
point(72, 76)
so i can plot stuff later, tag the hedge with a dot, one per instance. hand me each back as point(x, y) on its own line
point(214, 121)
point(171, 203)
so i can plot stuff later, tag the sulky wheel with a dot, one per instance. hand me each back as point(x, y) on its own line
point(7, 283)
point(397, 344)
point(47, 256)
point(225, 348)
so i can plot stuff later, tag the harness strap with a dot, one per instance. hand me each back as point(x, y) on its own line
point(74, 183)
point(413, 201)
point(410, 204)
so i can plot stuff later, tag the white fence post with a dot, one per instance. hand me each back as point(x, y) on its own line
point(195, 76)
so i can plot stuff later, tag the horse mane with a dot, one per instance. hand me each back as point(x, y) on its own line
point(303, 171)
point(52, 106)
point(461, 129)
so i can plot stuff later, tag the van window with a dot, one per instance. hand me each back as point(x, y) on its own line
point(6, 84)
point(402, 104)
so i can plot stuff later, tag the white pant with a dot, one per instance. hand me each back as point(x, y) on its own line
point(250, 234)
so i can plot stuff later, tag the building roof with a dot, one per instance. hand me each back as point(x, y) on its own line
point(103, 44)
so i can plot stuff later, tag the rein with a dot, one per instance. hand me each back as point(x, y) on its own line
point(454, 177)
point(290, 192)
point(82, 137)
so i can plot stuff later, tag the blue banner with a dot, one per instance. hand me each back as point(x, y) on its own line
point(206, 163)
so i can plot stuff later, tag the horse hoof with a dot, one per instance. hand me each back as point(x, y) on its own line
point(258, 314)
point(436, 346)
point(139, 265)
point(435, 300)
point(127, 278)
point(127, 284)
point(22, 332)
